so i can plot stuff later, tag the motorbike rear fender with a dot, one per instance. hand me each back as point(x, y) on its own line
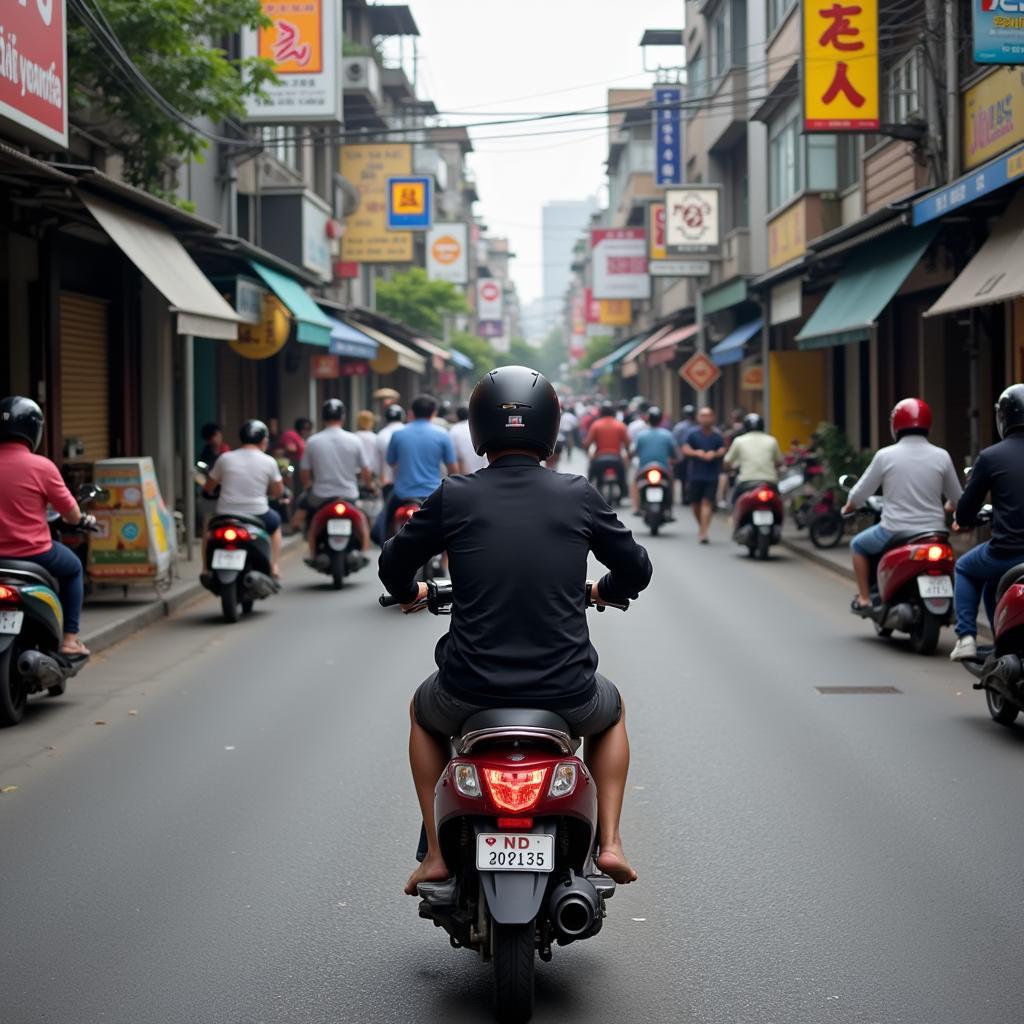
point(515, 897)
point(6, 642)
point(225, 577)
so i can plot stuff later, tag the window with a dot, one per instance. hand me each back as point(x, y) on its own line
point(282, 143)
point(777, 11)
point(850, 148)
point(785, 174)
point(903, 88)
point(696, 82)
point(720, 42)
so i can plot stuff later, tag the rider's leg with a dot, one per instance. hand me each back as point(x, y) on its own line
point(428, 758)
point(607, 756)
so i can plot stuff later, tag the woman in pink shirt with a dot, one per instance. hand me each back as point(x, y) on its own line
point(30, 482)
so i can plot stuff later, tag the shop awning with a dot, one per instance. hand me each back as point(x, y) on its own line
point(312, 326)
point(439, 356)
point(393, 354)
point(463, 362)
point(664, 350)
point(346, 340)
point(997, 271)
point(730, 349)
point(849, 311)
point(605, 364)
point(162, 259)
point(630, 365)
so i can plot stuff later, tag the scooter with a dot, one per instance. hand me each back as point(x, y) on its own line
point(607, 469)
point(31, 634)
point(655, 489)
point(516, 814)
point(335, 526)
point(434, 569)
point(757, 519)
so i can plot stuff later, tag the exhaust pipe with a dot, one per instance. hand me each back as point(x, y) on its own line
point(575, 909)
point(901, 617)
point(259, 584)
point(41, 667)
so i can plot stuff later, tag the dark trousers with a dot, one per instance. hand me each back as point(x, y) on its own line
point(64, 565)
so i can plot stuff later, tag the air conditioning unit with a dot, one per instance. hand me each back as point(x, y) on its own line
point(362, 75)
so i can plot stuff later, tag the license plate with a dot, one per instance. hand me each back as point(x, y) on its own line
point(10, 622)
point(655, 495)
point(935, 586)
point(763, 517)
point(339, 527)
point(224, 559)
point(515, 851)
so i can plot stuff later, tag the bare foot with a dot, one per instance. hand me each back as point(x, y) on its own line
point(612, 861)
point(428, 871)
point(75, 647)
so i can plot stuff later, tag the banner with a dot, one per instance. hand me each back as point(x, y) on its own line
point(620, 263)
point(303, 41)
point(998, 31)
point(366, 238)
point(840, 67)
point(448, 253)
point(33, 72)
point(692, 221)
point(668, 136)
point(489, 300)
point(656, 232)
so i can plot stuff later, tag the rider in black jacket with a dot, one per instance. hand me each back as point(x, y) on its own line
point(518, 538)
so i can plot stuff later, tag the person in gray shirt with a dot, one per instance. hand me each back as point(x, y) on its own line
point(332, 465)
point(915, 476)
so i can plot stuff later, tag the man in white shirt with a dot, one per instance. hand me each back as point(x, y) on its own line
point(469, 461)
point(394, 420)
point(332, 466)
point(568, 429)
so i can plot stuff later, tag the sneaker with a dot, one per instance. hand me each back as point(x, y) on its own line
point(966, 649)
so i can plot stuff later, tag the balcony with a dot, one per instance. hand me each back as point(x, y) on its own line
point(807, 217)
point(736, 260)
point(727, 111)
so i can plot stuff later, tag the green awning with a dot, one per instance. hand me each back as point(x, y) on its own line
point(850, 310)
point(312, 327)
point(731, 294)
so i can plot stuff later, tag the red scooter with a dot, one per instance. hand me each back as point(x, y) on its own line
point(434, 569)
point(757, 517)
point(335, 526)
point(655, 490)
point(516, 814)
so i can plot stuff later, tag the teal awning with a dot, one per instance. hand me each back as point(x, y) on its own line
point(602, 366)
point(730, 349)
point(850, 310)
point(312, 326)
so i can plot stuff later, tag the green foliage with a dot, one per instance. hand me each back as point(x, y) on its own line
point(412, 298)
point(838, 456)
point(477, 349)
point(597, 348)
point(520, 353)
point(554, 351)
point(168, 40)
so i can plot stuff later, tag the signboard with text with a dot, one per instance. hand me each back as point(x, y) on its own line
point(448, 253)
point(367, 238)
point(998, 31)
point(410, 203)
point(33, 72)
point(620, 263)
point(840, 67)
point(692, 226)
point(489, 300)
point(994, 175)
point(993, 115)
point(668, 136)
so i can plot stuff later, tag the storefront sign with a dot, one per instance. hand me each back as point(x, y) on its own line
point(489, 300)
point(615, 312)
point(355, 369)
point(268, 337)
point(325, 367)
point(448, 253)
point(249, 300)
point(316, 245)
point(840, 66)
point(367, 238)
point(33, 71)
point(692, 226)
point(303, 42)
point(346, 270)
point(580, 304)
point(620, 263)
point(680, 268)
point(992, 176)
point(993, 115)
point(752, 379)
point(668, 136)
point(787, 236)
point(490, 328)
point(656, 232)
point(998, 31)
point(786, 302)
point(410, 203)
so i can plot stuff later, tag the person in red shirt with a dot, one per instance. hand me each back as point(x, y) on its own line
point(609, 439)
point(30, 483)
point(294, 441)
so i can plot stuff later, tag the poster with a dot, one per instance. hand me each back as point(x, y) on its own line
point(620, 263)
point(367, 238)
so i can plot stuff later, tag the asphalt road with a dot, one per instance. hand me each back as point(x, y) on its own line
point(229, 845)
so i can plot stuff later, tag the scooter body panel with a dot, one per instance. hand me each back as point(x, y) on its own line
point(898, 568)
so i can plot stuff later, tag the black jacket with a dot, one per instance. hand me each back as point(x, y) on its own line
point(999, 471)
point(517, 537)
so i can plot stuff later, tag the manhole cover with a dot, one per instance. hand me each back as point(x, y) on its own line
point(830, 690)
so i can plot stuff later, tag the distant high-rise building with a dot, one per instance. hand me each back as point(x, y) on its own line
point(563, 220)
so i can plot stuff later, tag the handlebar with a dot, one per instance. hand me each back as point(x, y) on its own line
point(440, 595)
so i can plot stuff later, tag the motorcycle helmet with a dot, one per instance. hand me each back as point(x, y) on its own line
point(395, 414)
point(1010, 410)
point(654, 416)
point(21, 420)
point(910, 415)
point(689, 412)
point(753, 421)
point(333, 410)
point(514, 407)
point(253, 432)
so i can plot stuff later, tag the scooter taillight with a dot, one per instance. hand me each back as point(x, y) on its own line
point(8, 595)
point(405, 513)
point(232, 534)
point(932, 553)
point(515, 791)
point(654, 476)
point(515, 823)
point(340, 509)
point(764, 494)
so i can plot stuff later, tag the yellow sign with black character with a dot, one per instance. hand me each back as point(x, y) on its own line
point(269, 336)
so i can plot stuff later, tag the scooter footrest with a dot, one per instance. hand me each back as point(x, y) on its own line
point(604, 885)
point(437, 894)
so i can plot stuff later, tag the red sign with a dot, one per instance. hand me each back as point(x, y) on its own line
point(591, 306)
point(360, 369)
point(699, 372)
point(346, 270)
point(33, 71)
point(325, 367)
point(489, 291)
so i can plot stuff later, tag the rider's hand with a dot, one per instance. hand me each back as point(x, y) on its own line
point(87, 522)
point(421, 595)
point(956, 526)
point(595, 596)
point(848, 509)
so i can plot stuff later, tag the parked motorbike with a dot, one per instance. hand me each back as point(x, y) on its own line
point(655, 488)
point(911, 583)
point(335, 526)
point(516, 814)
point(31, 634)
point(434, 569)
point(757, 519)
point(811, 506)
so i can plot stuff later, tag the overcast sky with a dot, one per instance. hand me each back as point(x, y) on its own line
point(487, 57)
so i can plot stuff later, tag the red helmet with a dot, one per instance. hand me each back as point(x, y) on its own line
point(910, 414)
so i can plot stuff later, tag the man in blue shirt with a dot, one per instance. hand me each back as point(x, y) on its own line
point(655, 447)
point(416, 455)
point(704, 448)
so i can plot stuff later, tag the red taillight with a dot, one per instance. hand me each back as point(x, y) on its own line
point(515, 791)
point(764, 494)
point(933, 553)
point(654, 476)
point(339, 508)
point(8, 595)
point(515, 823)
point(406, 512)
point(232, 534)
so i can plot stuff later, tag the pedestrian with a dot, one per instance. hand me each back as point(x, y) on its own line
point(394, 420)
point(365, 423)
point(212, 436)
point(294, 441)
point(679, 434)
point(469, 461)
point(568, 429)
point(703, 448)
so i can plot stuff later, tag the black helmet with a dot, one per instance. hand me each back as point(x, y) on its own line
point(253, 432)
point(654, 415)
point(1009, 410)
point(689, 412)
point(607, 409)
point(753, 421)
point(333, 410)
point(21, 420)
point(514, 407)
point(395, 414)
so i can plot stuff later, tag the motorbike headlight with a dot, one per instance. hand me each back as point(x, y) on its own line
point(466, 779)
point(563, 779)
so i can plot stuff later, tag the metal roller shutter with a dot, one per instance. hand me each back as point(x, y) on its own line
point(85, 374)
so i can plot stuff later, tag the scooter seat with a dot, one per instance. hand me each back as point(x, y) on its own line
point(40, 574)
point(1015, 575)
point(502, 720)
point(897, 540)
point(238, 517)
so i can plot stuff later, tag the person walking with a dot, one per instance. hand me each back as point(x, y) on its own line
point(469, 461)
point(703, 448)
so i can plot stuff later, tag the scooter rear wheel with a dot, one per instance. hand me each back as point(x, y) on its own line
point(924, 637)
point(229, 603)
point(338, 569)
point(1002, 710)
point(13, 692)
point(764, 543)
point(513, 972)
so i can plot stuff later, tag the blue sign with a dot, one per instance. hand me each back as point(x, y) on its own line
point(410, 203)
point(998, 31)
point(668, 137)
point(988, 178)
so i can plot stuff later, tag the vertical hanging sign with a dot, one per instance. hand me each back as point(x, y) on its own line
point(840, 67)
point(668, 136)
